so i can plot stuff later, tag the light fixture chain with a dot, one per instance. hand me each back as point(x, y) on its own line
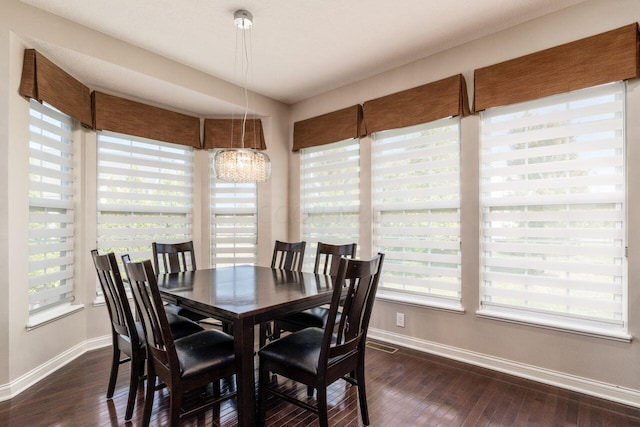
point(244, 82)
point(239, 165)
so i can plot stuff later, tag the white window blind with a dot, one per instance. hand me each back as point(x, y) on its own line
point(416, 205)
point(330, 189)
point(553, 210)
point(51, 213)
point(145, 190)
point(234, 221)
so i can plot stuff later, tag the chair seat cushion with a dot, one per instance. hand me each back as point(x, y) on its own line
point(312, 318)
point(203, 351)
point(181, 326)
point(299, 350)
point(180, 311)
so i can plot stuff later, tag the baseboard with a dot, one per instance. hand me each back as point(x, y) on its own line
point(570, 382)
point(20, 384)
point(588, 386)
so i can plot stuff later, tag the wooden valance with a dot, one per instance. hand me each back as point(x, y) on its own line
point(227, 133)
point(327, 128)
point(134, 118)
point(422, 104)
point(43, 80)
point(595, 60)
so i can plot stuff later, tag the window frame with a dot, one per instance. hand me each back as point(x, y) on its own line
point(240, 211)
point(45, 119)
point(574, 323)
point(344, 153)
point(389, 151)
point(175, 163)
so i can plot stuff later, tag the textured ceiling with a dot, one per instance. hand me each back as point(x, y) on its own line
point(300, 48)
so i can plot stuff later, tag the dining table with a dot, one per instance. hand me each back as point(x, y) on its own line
point(245, 296)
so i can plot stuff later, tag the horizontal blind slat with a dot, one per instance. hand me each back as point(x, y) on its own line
point(552, 202)
point(416, 199)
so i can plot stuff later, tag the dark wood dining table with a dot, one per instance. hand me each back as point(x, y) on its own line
point(245, 296)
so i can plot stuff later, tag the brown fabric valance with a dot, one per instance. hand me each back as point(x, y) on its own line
point(595, 60)
point(422, 104)
point(218, 133)
point(327, 128)
point(42, 80)
point(134, 118)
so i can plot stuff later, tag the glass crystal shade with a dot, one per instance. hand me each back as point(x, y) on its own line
point(241, 165)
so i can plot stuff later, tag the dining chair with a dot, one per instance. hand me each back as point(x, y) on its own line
point(176, 258)
point(173, 257)
point(185, 364)
point(327, 262)
point(127, 334)
point(318, 357)
point(286, 256)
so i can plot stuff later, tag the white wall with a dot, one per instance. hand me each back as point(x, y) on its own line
point(595, 365)
point(4, 207)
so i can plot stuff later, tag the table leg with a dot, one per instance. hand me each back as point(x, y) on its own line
point(243, 339)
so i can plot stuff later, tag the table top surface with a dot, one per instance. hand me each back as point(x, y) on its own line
point(246, 290)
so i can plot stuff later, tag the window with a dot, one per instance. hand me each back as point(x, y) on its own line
point(330, 188)
point(144, 194)
point(51, 211)
point(234, 222)
point(416, 205)
point(553, 211)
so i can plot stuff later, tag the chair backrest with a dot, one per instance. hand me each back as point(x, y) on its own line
point(328, 257)
point(173, 257)
point(115, 295)
point(359, 279)
point(288, 256)
point(158, 336)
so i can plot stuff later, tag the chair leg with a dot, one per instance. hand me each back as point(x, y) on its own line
point(309, 391)
point(227, 328)
point(263, 382)
point(216, 389)
point(175, 403)
point(362, 394)
point(276, 331)
point(265, 332)
point(323, 416)
point(115, 363)
point(134, 377)
point(148, 400)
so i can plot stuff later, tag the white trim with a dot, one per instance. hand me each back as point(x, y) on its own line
point(52, 314)
point(555, 325)
point(588, 386)
point(416, 300)
point(20, 384)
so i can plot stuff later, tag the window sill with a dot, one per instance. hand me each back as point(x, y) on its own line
point(51, 315)
point(420, 301)
point(590, 331)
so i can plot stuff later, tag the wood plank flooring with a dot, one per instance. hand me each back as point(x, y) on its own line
point(407, 388)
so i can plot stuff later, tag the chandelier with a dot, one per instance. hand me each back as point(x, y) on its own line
point(242, 164)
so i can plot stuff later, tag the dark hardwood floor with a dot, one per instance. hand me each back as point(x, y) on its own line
point(407, 388)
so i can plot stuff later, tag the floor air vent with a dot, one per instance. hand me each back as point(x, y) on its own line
point(381, 347)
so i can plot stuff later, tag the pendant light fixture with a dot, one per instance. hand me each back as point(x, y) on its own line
point(242, 164)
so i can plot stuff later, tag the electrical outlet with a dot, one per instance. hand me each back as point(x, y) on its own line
point(400, 320)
